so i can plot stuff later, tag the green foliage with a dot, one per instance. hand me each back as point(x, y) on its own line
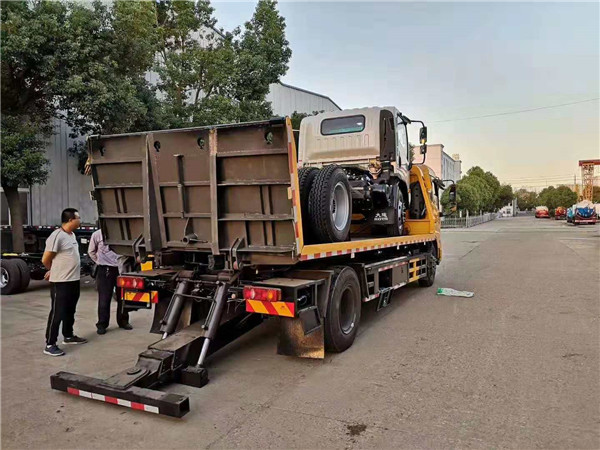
point(596, 194)
point(526, 200)
point(226, 77)
point(24, 159)
point(553, 197)
point(297, 117)
point(479, 191)
point(103, 63)
point(505, 196)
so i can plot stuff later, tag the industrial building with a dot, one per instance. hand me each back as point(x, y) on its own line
point(67, 187)
point(445, 166)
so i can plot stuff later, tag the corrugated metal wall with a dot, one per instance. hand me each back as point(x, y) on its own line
point(287, 99)
point(65, 188)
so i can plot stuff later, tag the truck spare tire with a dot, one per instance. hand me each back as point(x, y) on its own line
point(306, 177)
point(330, 205)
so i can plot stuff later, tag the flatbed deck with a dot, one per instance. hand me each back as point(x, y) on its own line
point(316, 251)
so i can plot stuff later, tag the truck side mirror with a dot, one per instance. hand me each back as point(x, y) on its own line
point(452, 194)
point(423, 135)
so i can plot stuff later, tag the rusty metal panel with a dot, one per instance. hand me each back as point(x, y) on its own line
point(211, 188)
point(118, 167)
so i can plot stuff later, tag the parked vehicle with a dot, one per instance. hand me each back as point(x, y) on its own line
point(17, 269)
point(570, 214)
point(541, 212)
point(585, 213)
point(560, 213)
point(223, 212)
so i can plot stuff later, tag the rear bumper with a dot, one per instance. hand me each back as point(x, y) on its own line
point(149, 400)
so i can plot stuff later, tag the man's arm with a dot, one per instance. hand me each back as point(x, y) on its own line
point(47, 258)
point(93, 248)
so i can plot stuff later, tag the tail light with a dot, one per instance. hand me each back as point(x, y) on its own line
point(130, 282)
point(263, 294)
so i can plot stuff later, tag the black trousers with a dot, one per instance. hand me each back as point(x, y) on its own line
point(106, 280)
point(64, 297)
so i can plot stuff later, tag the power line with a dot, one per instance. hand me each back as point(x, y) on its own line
point(537, 178)
point(519, 111)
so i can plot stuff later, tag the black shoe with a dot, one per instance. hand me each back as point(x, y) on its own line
point(127, 326)
point(53, 350)
point(101, 330)
point(74, 340)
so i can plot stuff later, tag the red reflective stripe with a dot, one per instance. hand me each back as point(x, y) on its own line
point(291, 308)
point(154, 297)
point(270, 308)
point(139, 406)
point(111, 400)
point(249, 308)
point(73, 391)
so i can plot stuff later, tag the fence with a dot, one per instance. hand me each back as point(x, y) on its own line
point(468, 221)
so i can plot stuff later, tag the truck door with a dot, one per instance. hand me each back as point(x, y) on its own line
point(387, 136)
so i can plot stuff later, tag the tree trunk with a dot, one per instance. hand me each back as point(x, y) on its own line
point(16, 217)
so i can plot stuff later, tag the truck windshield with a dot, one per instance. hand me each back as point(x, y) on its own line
point(341, 125)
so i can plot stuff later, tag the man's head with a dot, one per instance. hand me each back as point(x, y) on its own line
point(70, 219)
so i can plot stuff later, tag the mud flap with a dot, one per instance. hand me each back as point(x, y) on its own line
point(301, 336)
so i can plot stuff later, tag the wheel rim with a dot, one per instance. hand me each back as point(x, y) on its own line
point(3, 277)
point(340, 206)
point(347, 312)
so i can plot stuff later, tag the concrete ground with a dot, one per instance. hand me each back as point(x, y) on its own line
point(515, 366)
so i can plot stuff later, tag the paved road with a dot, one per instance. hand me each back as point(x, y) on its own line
point(515, 366)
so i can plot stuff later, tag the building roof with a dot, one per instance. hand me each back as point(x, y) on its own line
point(309, 92)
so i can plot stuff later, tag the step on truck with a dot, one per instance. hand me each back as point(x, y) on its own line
point(223, 214)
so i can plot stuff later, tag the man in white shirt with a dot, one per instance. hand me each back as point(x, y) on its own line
point(61, 258)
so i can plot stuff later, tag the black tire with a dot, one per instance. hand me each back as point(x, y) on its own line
point(25, 273)
point(343, 310)
point(330, 218)
point(306, 177)
point(397, 228)
point(11, 277)
point(428, 280)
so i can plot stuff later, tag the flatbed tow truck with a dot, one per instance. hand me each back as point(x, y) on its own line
point(217, 211)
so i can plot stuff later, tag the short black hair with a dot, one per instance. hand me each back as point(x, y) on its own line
point(68, 214)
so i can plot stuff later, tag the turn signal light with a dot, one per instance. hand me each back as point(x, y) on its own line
point(263, 294)
point(130, 282)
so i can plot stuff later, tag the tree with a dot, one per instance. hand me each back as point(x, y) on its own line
point(224, 78)
point(30, 34)
point(297, 117)
point(263, 55)
point(596, 194)
point(100, 85)
point(554, 197)
point(526, 199)
point(505, 196)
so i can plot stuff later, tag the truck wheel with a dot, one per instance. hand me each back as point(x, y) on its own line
point(330, 205)
point(397, 228)
point(428, 280)
point(306, 176)
point(343, 310)
point(10, 277)
point(25, 273)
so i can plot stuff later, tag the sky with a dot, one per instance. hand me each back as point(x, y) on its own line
point(439, 62)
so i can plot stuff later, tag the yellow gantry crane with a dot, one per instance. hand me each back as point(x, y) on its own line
point(587, 177)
